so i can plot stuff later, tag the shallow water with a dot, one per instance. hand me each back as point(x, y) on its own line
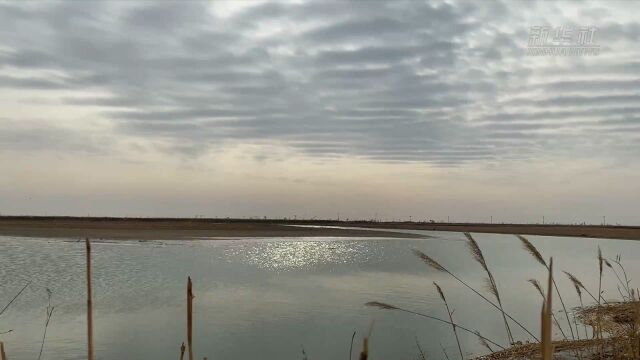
point(270, 298)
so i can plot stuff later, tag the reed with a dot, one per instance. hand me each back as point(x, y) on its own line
point(46, 324)
point(453, 325)
point(182, 349)
point(483, 342)
point(15, 297)
point(437, 266)
point(364, 354)
point(351, 346)
point(190, 317)
point(624, 287)
point(385, 306)
point(444, 352)
point(578, 285)
point(3, 356)
point(422, 355)
point(538, 287)
point(598, 312)
point(90, 353)
point(491, 283)
point(546, 344)
point(618, 261)
point(531, 249)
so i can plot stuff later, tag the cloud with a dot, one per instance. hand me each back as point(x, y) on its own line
point(395, 82)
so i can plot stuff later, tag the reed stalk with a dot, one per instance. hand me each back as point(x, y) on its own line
point(385, 306)
point(455, 333)
point(3, 356)
point(546, 347)
point(182, 349)
point(364, 354)
point(598, 312)
point(190, 317)
point(90, 353)
point(531, 249)
point(624, 287)
point(15, 297)
point(351, 346)
point(422, 355)
point(46, 324)
point(618, 261)
point(578, 285)
point(538, 287)
point(435, 265)
point(446, 356)
point(493, 287)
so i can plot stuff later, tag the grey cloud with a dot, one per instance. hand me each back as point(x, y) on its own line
point(397, 81)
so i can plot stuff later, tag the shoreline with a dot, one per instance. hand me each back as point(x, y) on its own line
point(192, 229)
point(171, 229)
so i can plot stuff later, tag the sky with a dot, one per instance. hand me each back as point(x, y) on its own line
point(319, 109)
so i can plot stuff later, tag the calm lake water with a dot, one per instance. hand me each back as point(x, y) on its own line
point(270, 298)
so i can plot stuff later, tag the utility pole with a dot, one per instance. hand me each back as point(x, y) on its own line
point(542, 219)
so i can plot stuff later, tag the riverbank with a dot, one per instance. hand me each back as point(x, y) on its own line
point(590, 231)
point(166, 228)
point(169, 229)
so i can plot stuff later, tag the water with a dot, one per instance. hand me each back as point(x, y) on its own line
point(270, 298)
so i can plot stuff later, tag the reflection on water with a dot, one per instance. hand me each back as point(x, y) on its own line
point(269, 298)
point(291, 255)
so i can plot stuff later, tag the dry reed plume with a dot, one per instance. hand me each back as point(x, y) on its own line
point(437, 266)
point(491, 282)
point(450, 313)
point(531, 249)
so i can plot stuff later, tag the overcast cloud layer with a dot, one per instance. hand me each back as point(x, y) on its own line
point(435, 85)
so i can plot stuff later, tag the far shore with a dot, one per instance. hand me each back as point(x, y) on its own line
point(169, 229)
point(192, 229)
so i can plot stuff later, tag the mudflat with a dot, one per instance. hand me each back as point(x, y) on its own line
point(183, 229)
point(591, 231)
point(169, 229)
